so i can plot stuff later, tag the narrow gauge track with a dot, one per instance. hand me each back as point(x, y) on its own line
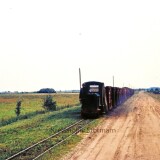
point(39, 149)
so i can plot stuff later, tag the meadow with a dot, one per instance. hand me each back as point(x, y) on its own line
point(31, 105)
point(34, 123)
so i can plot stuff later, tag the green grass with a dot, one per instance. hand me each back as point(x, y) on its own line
point(34, 124)
point(61, 150)
point(23, 133)
point(31, 105)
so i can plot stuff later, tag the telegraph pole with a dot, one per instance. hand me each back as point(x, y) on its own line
point(113, 81)
point(113, 92)
point(80, 78)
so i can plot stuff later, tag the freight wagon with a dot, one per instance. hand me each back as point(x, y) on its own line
point(97, 99)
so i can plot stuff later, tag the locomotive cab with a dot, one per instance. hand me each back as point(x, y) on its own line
point(92, 98)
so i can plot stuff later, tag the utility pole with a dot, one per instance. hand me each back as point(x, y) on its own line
point(113, 81)
point(113, 92)
point(80, 78)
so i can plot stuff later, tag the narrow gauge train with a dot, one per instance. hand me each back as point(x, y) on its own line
point(96, 98)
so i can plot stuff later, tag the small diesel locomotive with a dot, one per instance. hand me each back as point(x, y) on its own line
point(97, 99)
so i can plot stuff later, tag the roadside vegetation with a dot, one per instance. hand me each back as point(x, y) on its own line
point(49, 104)
point(62, 150)
point(156, 96)
point(21, 134)
point(32, 122)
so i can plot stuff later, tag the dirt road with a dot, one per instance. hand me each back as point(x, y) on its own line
point(130, 132)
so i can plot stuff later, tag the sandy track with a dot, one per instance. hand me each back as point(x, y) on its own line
point(131, 131)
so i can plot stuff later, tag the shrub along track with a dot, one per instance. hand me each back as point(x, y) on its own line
point(39, 149)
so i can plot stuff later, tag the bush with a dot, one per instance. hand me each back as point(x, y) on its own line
point(18, 108)
point(49, 104)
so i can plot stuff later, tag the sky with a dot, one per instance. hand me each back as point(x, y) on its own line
point(43, 43)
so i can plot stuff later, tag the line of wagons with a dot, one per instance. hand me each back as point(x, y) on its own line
point(96, 98)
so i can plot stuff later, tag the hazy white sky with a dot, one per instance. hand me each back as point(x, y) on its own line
point(44, 42)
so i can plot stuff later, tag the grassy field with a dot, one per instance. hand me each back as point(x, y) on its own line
point(34, 123)
point(17, 136)
point(31, 105)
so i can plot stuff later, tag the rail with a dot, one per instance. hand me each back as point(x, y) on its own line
point(28, 151)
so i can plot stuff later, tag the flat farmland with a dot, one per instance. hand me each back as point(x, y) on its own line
point(34, 124)
point(130, 131)
point(31, 104)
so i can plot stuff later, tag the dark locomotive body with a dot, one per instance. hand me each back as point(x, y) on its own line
point(93, 98)
point(97, 99)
